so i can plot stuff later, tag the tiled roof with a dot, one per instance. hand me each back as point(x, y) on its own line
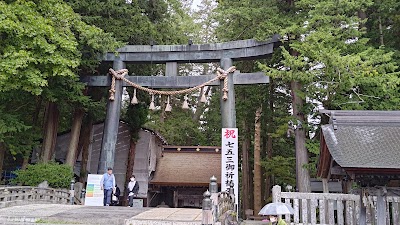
point(364, 139)
point(187, 169)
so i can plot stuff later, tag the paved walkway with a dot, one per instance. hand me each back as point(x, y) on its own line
point(55, 214)
point(67, 214)
point(167, 216)
point(90, 215)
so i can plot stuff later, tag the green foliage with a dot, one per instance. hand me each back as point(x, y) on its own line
point(57, 176)
point(40, 40)
point(281, 168)
point(136, 117)
point(135, 23)
point(43, 45)
point(212, 119)
point(312, 146)
point(17, 114)
point(178, 128)
point(333, 59)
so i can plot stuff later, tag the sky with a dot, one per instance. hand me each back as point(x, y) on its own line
point(195, 3)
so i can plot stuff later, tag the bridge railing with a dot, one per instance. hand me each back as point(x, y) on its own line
point(22, 195)
point(218, 207)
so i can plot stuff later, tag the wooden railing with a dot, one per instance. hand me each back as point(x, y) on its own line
point(329, 208)
point(22, 195)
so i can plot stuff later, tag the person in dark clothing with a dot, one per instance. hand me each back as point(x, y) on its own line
point(133, 190)
point(116, 194)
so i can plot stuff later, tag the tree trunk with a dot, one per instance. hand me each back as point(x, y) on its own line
point(363, 16)
point(85, 139)
point(245, 168)
point(302, 174)
point(35, 117)
point(129, 168)
point(2, 154)
point(257, 162)
point(75, 133)
point(380, 31)
point(163, 103)
point(25, 163)
point(51, 119)
point(270, 117)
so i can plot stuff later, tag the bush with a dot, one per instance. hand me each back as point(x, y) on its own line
point(57, 175)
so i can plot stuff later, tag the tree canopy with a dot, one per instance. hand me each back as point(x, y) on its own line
point(43, 45)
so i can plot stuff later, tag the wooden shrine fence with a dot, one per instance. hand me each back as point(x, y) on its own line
point(330, 208)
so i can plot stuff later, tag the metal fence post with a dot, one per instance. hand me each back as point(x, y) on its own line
point(207, 214)
point(72, 191)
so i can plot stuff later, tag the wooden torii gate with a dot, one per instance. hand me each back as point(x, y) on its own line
point(225, 53)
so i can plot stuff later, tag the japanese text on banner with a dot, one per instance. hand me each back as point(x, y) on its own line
point(229, 160)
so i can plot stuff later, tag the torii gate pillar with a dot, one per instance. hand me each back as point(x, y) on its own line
point(228, 111)
point(111, 124)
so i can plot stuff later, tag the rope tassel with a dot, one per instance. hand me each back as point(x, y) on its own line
point(223, 74)
point(168, 108)
point(185, 104)
point(115, 75)
point(152, 106)
point(134, 99)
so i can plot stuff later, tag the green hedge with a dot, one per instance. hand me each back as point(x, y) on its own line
point(57, 175)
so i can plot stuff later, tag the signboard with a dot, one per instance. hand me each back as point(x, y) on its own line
point(230, 161)
point(94, 195)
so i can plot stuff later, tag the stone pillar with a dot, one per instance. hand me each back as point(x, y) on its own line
point(228, 111)
point(72, 191)
point(276, 193)
point(207, 218)
point(213, 185)
point(214, 196)
point(111, 124)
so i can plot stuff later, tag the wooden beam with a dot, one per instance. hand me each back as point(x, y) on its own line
point(177, 81)
point(380, 207)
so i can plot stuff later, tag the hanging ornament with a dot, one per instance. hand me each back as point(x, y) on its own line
point(168, 108)
point(152, 106)
point(134, 99)
point(185, 104)
point(203, 97)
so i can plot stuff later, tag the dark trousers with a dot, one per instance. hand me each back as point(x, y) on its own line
point(131, 200)
point(107, 196)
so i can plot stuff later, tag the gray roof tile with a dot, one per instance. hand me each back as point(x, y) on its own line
point(364, 140)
